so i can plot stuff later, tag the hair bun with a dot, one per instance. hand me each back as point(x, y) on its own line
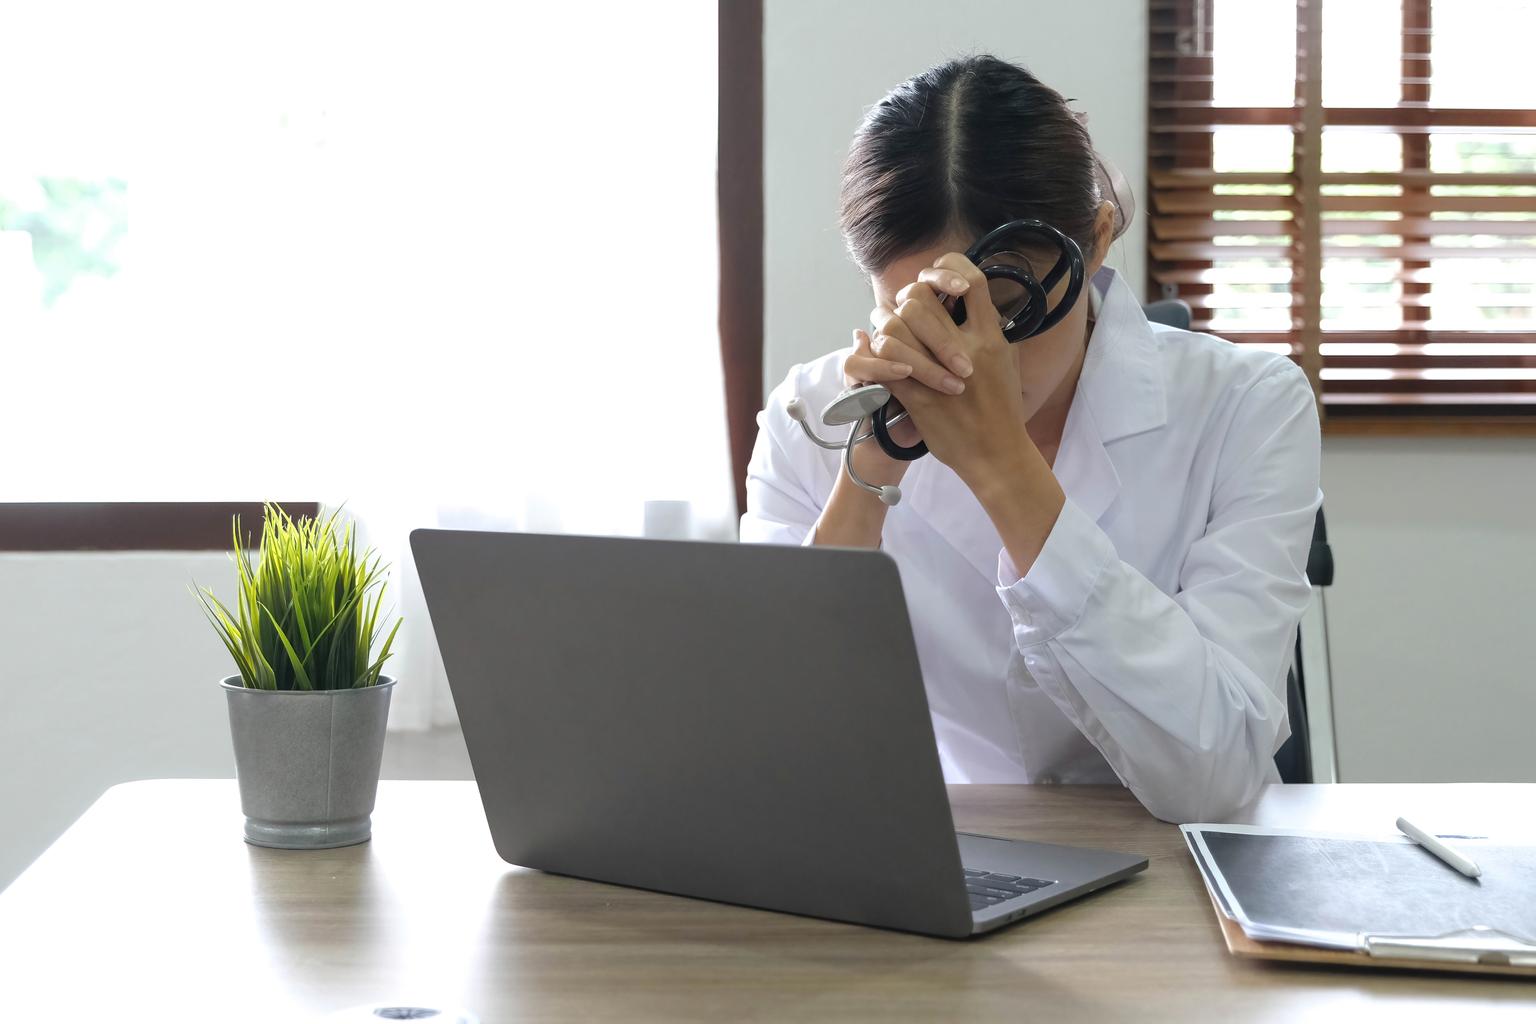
point(1112, 184)
point(1114, 187)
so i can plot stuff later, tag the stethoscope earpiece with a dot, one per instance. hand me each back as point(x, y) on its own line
point(1027, 317)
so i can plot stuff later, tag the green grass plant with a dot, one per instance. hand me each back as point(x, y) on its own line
point(307, 613)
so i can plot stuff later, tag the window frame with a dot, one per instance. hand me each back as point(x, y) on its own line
point(119, 526)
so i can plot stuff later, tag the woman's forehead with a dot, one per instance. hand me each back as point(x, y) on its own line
point(902, 272)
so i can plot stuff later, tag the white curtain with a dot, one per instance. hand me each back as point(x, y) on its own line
point(565, 373)
point(447, 264)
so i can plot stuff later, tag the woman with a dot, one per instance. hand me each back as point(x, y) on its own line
point(1104, 557)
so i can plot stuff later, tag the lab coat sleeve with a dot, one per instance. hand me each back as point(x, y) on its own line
point(782, 506)
point(1184, 695)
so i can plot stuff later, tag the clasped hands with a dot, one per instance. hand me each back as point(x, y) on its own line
point(958, 382)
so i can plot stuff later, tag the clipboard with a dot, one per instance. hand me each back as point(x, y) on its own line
point(1474, 950)
point(1413, 955)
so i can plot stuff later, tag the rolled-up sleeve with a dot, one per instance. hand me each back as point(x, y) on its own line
point(1184, 694)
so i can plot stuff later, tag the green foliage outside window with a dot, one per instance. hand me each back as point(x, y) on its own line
point(75, 224)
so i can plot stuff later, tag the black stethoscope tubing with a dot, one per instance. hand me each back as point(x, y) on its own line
point(1032, 319)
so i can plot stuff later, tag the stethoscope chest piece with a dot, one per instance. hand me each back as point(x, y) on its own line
point(854, 404)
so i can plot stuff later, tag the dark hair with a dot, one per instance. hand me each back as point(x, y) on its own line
point(963, 147)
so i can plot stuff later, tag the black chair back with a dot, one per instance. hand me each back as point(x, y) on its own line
point(1294, 758)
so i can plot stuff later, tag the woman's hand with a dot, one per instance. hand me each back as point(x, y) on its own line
point(863, 366)
point(981, 432)
point(979, 428)
point(853, 517)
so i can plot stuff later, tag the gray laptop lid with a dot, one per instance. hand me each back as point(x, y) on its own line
point(744, 723)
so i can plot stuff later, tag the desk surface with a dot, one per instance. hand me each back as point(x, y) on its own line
point(152, 908)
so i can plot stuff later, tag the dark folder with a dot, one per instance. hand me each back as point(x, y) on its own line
point(1377, 900)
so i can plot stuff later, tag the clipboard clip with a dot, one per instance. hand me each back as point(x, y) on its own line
point(1476, 945)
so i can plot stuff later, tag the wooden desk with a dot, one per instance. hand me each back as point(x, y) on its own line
point(152, 908)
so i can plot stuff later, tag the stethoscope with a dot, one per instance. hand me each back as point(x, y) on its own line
point(866, 409)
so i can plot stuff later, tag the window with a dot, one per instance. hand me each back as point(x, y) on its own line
point(318, 248)
point(1366, 205)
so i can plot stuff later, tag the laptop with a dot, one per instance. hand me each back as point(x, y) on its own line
point(735, 722)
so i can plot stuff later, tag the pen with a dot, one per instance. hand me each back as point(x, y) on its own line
point(1439, 849)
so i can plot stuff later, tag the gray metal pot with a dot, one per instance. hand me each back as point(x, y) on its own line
point(308, 762)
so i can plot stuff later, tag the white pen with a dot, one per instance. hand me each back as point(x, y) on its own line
point(1439, 849)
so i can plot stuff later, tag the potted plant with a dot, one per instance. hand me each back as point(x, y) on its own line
point(308, 706)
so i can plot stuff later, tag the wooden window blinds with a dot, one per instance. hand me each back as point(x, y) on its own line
point(1353, 182)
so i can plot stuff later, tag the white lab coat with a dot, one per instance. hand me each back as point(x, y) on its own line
point(1150, 640)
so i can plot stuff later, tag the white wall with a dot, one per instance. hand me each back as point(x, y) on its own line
point(111, 674)
point(824, 64)
point(1436, 551)
point(1434, 610)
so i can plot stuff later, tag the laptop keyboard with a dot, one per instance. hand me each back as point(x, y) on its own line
point(988, 890)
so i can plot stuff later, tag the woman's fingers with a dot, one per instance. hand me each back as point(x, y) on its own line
point(894, 340)
point(863, 367)
point(882, 315)
point(921, 310)
point(946, 282)
point(859, 369)
point(924, 369)
point(978, 299)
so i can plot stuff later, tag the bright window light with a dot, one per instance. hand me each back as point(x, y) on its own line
point(1360, 348)
point(297, 249)
point(1352, 373)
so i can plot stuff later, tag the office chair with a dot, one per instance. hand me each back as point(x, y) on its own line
point(1173, 312)
point(1308, 754)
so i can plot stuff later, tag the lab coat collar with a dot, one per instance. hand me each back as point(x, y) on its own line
point(1122, 380)
point(1119, 393)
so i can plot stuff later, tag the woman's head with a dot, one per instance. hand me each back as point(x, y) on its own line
point(960, 149)
point(957, 151)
